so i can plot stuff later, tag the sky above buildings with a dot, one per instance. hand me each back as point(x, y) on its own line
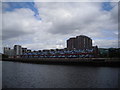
point(47, 25)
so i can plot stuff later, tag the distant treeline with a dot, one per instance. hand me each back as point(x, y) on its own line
point(110, 52)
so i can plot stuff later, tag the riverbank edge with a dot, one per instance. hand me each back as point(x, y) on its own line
point(69, 61)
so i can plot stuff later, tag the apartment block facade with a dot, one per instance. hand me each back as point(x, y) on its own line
point(79, 42)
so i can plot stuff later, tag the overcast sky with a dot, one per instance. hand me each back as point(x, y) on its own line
point(38, 25)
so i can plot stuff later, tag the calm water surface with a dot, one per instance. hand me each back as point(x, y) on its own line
point(24, 75)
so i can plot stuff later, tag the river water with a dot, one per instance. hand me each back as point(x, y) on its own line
point(25, 75)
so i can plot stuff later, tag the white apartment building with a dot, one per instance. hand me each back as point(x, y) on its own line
point(17, 50)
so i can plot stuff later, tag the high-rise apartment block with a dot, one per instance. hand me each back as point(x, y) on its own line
point(79, 42)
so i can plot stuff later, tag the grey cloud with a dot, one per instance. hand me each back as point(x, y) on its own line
point(17, 23)
point(70, 16)
point(59, 21)
point(11, 34)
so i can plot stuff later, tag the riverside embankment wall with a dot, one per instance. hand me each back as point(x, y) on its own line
point(69, 61)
